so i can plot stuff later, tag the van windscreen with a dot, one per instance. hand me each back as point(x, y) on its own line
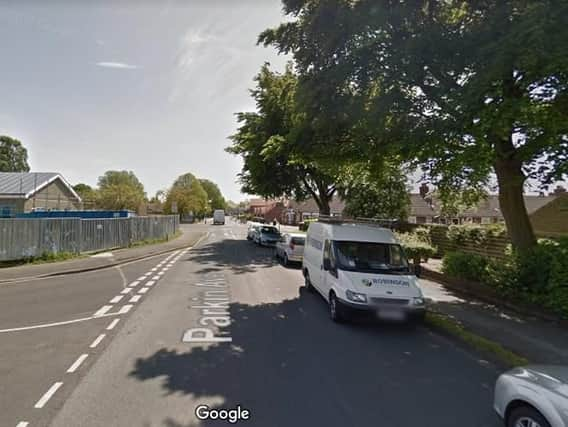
point(370, 257)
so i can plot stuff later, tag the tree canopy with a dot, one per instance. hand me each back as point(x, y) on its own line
point(13, 155)
point(270, 142)
point(189, 196)
point(87, 193)
point(214, 196)
point(461, 89)
point(120, 190)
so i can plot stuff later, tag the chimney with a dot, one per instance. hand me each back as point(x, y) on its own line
point(424, 190)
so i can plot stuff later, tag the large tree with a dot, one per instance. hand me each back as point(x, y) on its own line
point(188, 195)
point(271, 142)
point(13, 155)
point(120, 190)
point(214, 196)
point(88, 195)
point(463, 88)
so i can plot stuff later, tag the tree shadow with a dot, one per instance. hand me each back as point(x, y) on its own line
point(240, 256)
point(291, 366)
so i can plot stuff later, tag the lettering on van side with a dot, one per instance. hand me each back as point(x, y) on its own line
point(393, 282)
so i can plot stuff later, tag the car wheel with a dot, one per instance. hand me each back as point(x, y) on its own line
point(336, 311)
point(526, 416)
point(286, 261)
point(307, 284)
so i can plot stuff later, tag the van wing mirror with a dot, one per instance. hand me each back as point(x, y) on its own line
point(417, 270)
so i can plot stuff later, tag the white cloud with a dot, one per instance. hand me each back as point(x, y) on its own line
point(119, 65)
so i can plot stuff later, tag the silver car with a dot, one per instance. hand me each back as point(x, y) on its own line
point(533, 396)
point(290, 248)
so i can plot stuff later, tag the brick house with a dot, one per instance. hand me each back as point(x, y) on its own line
point(28, 191)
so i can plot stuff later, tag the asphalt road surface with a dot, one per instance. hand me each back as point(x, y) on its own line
point(222, 325)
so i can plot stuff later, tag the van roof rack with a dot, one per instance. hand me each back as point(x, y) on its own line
point(377, 222)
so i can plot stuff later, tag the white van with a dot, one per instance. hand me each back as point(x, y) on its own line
point(219, 217)
point(357, 266)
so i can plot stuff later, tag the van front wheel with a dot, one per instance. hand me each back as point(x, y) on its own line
point(336, 309)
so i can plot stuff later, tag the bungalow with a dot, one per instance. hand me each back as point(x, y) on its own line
point(32, 191)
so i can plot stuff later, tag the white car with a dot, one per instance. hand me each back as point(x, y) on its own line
point(266, 235)
point(361, 267)
point(533, 396)
point(290, 248)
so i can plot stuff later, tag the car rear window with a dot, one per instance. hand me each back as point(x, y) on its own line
point(300, 241)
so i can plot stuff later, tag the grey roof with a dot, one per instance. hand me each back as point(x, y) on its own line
point(25, 184)
point(420, 207)
point(336, 205)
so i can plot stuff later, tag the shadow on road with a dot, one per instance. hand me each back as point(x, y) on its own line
point(241, 257)
point(291, 366)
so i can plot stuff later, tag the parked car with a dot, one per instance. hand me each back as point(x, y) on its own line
point(252, 231)
point(361, 267)
point(533, 396)
point(290, 248)
point(267, 235)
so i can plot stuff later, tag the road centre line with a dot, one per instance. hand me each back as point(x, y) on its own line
point(45, 398)
point(112, 324)
point(125, 309)
point(136, 283)
point(135, 298)
point(143, 290)
point(141, 278)
point(101, 311)
point(150, 282)
point(97, 340)
point(22, 424)
point(116, 299)
point(77, 363)
point(126, 290)
point(156, 278)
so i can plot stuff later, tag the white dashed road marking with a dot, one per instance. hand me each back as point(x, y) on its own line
point(45, 398)
point(135, 283)
point(135, 298)
point(150, 282)
point(116, 299)
point(22, 424)
point(125, 309)
point(97, 340)
point(102, 310)
point(77, 363)
point(112, 324)
point(156, 278)
point(143, 290)
point(126, 291)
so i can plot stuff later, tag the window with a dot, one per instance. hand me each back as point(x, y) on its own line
point(370, 257)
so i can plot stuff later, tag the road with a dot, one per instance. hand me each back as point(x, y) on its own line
point(276, 352)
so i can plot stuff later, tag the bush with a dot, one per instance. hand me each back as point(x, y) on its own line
point(460, 234)
point(416, 245)
point(466, 266)
point(538, 276)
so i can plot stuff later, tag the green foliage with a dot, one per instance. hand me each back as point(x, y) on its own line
point(538, 276)
point(88, 194)
point(448, 85)
point(416, 246)
point(189, 195)
point(214, 196)
point(375, 191)
point(272, 143)
point(120, 190)
point(478, 234)
point(13, 155)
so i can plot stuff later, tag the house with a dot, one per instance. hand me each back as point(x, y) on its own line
point(547, 213)
point(268, 209)
point(296, 212)
point(32, 191)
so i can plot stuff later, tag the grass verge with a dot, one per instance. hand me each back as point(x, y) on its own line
point(155, 241)
point(449, 326)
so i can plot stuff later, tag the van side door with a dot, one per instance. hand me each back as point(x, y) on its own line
point(328, 269)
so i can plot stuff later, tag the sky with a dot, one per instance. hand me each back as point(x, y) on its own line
point(149, 86)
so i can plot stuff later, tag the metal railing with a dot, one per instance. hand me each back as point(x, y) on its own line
point(28, 238)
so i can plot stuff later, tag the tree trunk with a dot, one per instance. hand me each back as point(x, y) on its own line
point(511, 180)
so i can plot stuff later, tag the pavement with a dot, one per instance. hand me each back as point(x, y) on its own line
point(221, 324)
point(539, 341)
point(100, 260)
